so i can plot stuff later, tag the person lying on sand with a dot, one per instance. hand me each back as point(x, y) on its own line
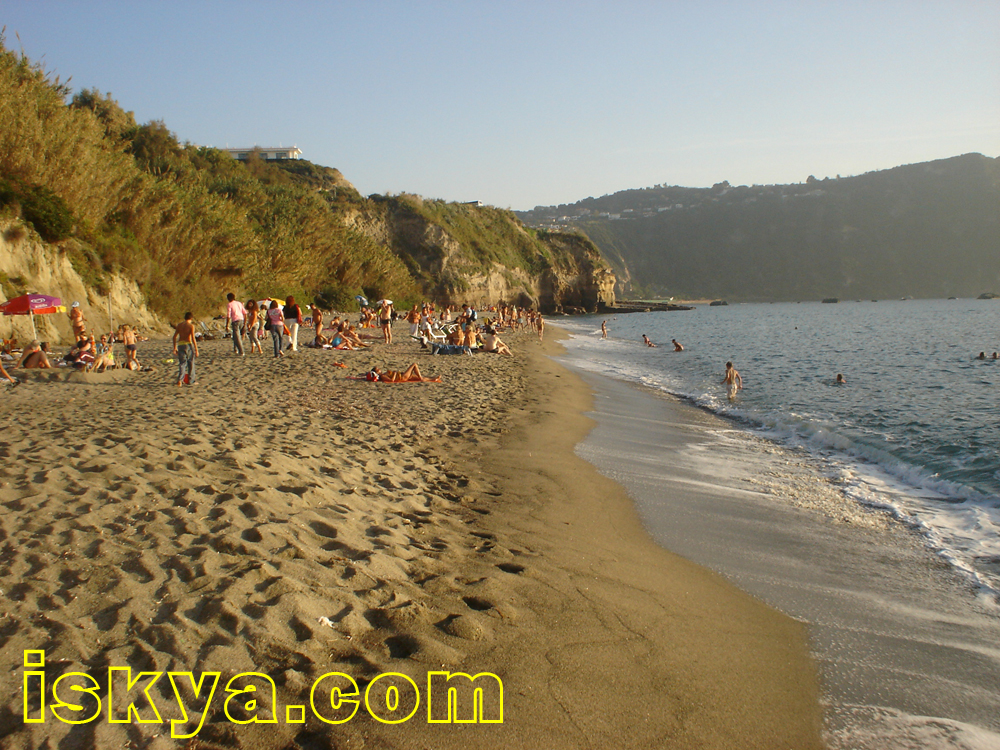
point(34, 358)
point(410, 375)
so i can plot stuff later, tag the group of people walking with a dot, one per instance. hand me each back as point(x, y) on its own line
point(252, 320)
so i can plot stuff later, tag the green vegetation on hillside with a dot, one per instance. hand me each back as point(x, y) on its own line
point(185, 222)
point(189, 223)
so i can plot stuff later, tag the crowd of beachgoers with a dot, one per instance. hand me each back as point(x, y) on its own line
point(441, 329)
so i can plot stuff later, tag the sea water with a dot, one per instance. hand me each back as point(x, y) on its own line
point(914, 429)
point(869, 510)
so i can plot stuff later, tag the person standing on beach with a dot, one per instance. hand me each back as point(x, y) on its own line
point(253, 326)
point(78, 322)
point(186, 349)
point(317, 316)
point(293, 319)
point(413, 318)
point(236, 314)
point(541, 326)
point(732, 381)
point(385, 320)
point(128, 336)
point(276, 319)
point(604, 329)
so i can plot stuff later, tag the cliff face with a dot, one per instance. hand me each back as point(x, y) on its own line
point(29, 265)
point(484, 255)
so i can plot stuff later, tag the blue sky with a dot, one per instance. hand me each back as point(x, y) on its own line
point(520, 104)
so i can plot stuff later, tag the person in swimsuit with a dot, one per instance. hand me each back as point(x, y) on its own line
point(604, 329)
point(410, 375)
point(78, 322)
point(645, 339)
point(317, 316)
point(492, 342)
point(385, 320)
point(840, 379)
point(733, 381)
point(186, 349)
point(128, 336)
point(34, 358)
point(677, 347)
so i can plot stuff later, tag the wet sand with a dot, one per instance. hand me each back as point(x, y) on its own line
point(280, 519)
point(906, 649)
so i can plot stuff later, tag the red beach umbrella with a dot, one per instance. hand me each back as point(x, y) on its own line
point(32, 305)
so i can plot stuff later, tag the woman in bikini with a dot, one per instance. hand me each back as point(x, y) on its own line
point(410, 375)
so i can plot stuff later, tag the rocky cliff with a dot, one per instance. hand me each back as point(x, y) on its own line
point(28, 265)
point(484, 255)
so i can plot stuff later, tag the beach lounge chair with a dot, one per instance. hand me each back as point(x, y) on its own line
point(206, 332)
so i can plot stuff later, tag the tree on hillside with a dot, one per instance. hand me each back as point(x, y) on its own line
point(119, 124)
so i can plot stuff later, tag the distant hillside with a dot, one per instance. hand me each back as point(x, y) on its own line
point(923, 230)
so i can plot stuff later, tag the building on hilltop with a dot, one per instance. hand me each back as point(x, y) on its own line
point(268, 154)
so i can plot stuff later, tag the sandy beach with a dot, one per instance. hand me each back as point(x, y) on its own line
point(281, 520)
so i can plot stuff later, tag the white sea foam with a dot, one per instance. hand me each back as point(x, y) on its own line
point(876, 728)
point(960, 523)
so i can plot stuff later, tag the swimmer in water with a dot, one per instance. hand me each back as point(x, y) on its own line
point(645, 338)
point(840, 379)
point(677, 347)
point(733, 381)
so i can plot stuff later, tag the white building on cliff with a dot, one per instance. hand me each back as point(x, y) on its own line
point(268, 154)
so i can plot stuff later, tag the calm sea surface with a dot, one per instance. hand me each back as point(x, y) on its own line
point(914, 430)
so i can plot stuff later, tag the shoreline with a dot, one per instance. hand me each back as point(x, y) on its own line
point(905, 649)
point(431, 526)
